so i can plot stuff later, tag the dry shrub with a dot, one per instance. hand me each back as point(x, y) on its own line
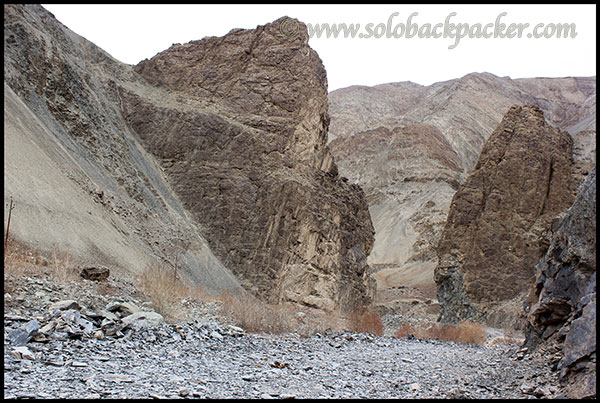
point(471, 333)
point(256, 316)
point(466, 332)
point(363, 320)
point(63, 266)
point(199, 293)
point(21, 259)
point(164, 289)
point(406, 329)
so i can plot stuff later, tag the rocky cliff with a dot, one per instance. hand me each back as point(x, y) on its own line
point(218, 145)
point(499, 216)
point(562, 303)
point(240, 124)
point(408, 195)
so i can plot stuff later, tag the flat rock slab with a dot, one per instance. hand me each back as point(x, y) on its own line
point(95, 273)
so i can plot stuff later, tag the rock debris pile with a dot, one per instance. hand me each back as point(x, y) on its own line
point(96, 346)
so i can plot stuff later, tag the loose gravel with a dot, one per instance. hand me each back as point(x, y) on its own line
point(203, 357)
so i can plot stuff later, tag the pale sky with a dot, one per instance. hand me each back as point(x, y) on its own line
point(131, 33)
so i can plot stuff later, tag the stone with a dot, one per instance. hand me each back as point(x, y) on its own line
point(23, 352)
point(95, 273)
point(562, 303)
point(143, 319)
point(48, 327)
point(65, 305)
point(499, 217)
point(123, 308)
point(24, 334)
point(527, 388)
point(55, 363)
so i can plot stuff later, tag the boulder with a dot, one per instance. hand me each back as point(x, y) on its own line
point(95, 273)
point(143, 319)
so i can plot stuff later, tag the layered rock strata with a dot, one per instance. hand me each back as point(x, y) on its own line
point(562, 303)
point(494, 233)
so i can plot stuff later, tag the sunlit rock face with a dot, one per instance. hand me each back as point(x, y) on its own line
point(210, 157)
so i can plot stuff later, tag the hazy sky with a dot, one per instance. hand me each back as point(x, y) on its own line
point(131, 33)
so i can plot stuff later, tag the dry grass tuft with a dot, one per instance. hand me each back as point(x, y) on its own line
point(256, 316)
point(471, 333)
point(365, 320)
point(21, 259)
point(164, 289)
point(63, 266)
point(466, 332)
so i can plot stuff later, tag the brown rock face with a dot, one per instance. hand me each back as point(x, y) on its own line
point(239, 125)
point(408, 186)
point(562, 315)
point(494, 233)
point(211, 157)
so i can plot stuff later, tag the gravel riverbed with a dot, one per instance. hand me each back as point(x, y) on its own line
point(209, 361)
point(54, 349)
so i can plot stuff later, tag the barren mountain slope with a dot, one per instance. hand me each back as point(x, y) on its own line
point(465, 111)
point(80, 179)
point(222, 139)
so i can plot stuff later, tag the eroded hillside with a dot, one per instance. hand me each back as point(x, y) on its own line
point(217, 146)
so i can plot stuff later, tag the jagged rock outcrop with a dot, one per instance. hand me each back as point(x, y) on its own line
point(562, 303)
point(218, 145)
point(240, 124)
point(499, 216)
point(408, 195)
